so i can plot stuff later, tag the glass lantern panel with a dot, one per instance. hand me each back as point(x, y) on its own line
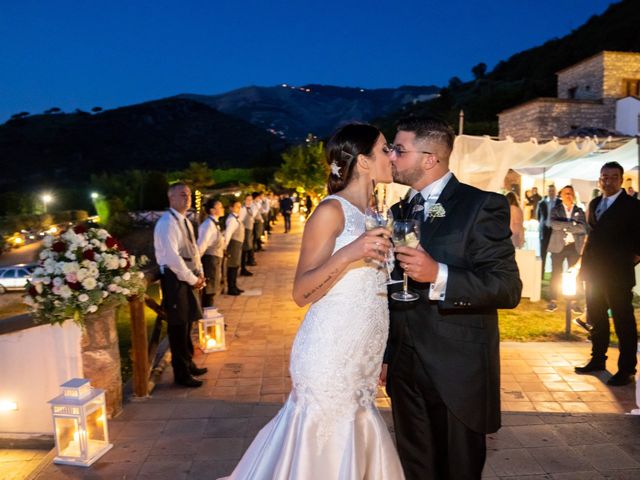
point(68, 437)
point(97, 426)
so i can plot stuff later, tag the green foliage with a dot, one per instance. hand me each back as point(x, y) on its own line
point(198, 176)
point(137, 189)
point(304, 168)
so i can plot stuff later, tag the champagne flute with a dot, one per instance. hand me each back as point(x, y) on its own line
point(372, 220)
point(406, 233)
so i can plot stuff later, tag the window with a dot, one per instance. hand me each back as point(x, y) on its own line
point(8, 274)
point(631, 87)
point(572, 92)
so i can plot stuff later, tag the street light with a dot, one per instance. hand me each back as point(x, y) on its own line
point(46, 198)
point(94, 195)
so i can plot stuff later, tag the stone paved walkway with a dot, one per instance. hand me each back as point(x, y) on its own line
point(557, 425)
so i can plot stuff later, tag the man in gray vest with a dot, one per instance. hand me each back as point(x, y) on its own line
point(181, 280)
point(233, 239)
point(211, 248)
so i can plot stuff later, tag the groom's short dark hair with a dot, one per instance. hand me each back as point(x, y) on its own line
point(429, 128)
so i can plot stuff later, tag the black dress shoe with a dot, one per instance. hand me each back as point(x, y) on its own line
point(246, 273)
point(189, 382)
point(592, 366)
point(252, 264)
point(620, 379)
point(196, 372)
point(234, 292)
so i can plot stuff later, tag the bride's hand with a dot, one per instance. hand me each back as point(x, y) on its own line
point(372, 244)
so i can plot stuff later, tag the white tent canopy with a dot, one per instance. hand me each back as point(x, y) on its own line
point(483, 162)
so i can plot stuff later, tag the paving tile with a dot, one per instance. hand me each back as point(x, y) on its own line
point(517, 461)
point(226, 427)
point(159, 468)
point(503, 439)
point(579, 434)
point(559, 459)
point(606, 457)
point(210, 470)
point(537, 436)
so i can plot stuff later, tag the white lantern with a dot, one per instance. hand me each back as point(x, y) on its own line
point(211, 331)
point(80, 423)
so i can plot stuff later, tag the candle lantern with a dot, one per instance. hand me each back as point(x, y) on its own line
point(569, 289)
point(211, 331)
point(80, 423)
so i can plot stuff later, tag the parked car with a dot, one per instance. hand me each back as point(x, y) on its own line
point(15, 277)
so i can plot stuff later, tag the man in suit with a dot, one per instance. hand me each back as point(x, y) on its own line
point(568, 232)
point(443, 372)
point(544, 218)
point(608, 260)
point(286, 208)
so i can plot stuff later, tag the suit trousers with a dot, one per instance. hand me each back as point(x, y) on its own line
point(569, 253)
point(544, 244)
point(601, 297)
point(431, 441)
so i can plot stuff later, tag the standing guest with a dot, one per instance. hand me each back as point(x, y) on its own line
point(308, 205)
point(534, 200)
point(443, 348)
point(544, 219)
point(181, 280)
point(258, 224)
point(247, 217)
point(266, 213)
point(275, 208)
point(608, 260)
point(233, 240)
point(516, 223)
point(631, 192)
point(286, 207)
point(211, 247)
point(569, 230)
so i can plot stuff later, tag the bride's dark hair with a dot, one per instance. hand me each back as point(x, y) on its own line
point(343, 149)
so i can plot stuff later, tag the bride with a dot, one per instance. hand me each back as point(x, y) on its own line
point(329, 428)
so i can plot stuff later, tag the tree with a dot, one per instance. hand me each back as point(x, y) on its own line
point(198, 176)
point(454, 82)
point(479, 70)
point(96, 109)
point(304, 168)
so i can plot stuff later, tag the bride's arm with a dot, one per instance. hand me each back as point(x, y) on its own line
point(317, 268)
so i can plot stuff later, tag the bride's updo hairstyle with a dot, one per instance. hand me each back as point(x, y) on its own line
point(342, 150)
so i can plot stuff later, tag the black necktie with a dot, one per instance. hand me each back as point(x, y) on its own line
point(186, 225)
point(415, 208)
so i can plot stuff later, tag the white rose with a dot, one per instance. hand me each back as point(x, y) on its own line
point(89, 283)
point(123, 262)
point(70, 267)
point(105, 294)
point(126, 292)
point(82, 274)
point(38, 272)
point(112, 287)
point(44, 254)
point(49, 265)
point(57, 303)
point(65, 291)
point(132, 260)
point(92, 309)
point(48, 241)
point(83, 297)
point(126, 276)
point(140, 275)
point(102, 234)
point(46, 280)
point(117, 279)
point(57, 282)
point(38, 286)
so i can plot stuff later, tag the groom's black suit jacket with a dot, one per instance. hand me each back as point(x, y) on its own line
point(457, 339)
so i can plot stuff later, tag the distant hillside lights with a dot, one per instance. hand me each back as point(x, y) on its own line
point(302, 89)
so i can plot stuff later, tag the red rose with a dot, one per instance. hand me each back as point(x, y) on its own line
point(59, 247)
point(80, 229)
point(74, 285)
point(89, 255)
point(111, 242)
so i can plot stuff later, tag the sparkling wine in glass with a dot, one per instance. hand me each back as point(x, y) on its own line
point(406, 233)
point(373, 219)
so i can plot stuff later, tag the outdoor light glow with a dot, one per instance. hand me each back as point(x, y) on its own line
point(46, 198)
point(94, 195)
point(211, 342)
point(53, 230)
point(8, 406)
point(569, 283)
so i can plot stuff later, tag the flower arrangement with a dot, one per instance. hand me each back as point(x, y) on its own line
point(78, 272)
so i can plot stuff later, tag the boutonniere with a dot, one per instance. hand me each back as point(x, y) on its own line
point(436, 211)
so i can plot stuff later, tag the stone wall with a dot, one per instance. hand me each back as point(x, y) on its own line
point(545, 118)
point(101, 357)
point(586, 77)
point(617, 67)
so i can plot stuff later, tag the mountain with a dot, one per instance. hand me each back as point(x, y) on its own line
point(531, 73)
point(294, 112)
point(159, 135)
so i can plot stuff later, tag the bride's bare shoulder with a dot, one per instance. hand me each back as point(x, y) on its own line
point(326, 215)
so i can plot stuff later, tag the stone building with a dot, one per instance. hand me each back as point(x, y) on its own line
point(600, 93)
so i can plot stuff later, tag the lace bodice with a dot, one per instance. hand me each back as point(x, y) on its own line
point(337, 353)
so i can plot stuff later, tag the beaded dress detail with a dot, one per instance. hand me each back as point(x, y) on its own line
point(329, 427)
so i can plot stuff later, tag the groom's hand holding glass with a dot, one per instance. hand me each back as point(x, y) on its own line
point(417, 263)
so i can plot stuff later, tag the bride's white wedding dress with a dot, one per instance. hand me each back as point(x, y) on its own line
point(329, 428)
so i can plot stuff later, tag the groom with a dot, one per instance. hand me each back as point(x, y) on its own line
point(443, 372)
